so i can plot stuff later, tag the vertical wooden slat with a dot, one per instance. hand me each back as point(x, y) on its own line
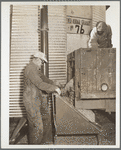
point(68, 68)
point(106, 61)
point(88, 66)
point(77, 74)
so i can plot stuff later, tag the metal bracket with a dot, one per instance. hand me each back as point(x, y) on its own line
point(46, 29)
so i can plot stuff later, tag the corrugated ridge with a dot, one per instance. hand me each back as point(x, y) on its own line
point(57, 43)
point(24, 42)
point(98, 14)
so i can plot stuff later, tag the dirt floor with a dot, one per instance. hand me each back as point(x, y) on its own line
point(107, 123)
point(105, 120)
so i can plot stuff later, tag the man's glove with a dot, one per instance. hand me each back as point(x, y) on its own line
point(57, 83)
point(69, 85)
point(58, 91)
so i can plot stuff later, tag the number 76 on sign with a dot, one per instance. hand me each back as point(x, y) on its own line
point(78, 29)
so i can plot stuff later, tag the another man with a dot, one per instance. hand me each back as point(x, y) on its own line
point(34, 84)
point(100, 36)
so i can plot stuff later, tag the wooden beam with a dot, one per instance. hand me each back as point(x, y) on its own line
point(108, 105)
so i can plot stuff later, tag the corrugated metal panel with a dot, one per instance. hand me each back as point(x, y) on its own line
point(57, 43)
point(79, 11)
point(98, 14)
point(25, 40)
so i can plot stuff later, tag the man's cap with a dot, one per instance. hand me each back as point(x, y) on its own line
point(101, 26)
point(41, 55)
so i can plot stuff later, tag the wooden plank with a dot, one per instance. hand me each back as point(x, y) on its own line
point(14, 36)
point(57, 58)
point(15, 72)
point(24, 43)
point(20, 57)
point(17, 107)
point(61, 54)
point(19, 63)
point(57, 69)
point(106, 72)
point(25, 6)
point(16, 100)
point(108, 105)
point(24, 14)
point(16, 91)
point(21, 51)
point(17, 115)
point(16, 104)
point(15, 97)
point(16, 88)
point(57, 62)
point(11, 91)
point(88, 72)
point(15, 85)
point(16, 94)
point(77, 74)
point(68, 68)
point(23, 33)
point(29, 17)
point(15, 111)
point(97, 95)
point(91, 104)
point(11, 83)
point(52, 67)
point(61, 75)
point(24, 40)
point(23, 10)
point(16, 80)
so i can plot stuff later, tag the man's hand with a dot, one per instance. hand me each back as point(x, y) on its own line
point(58, 91)
point(63, 92)
point(57, 83)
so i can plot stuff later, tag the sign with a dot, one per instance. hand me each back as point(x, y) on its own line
point(78, 26)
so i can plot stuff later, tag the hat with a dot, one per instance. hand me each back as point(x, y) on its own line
point(41, 55)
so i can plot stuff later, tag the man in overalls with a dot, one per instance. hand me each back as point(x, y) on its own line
point(100, 36)
point(35, 83)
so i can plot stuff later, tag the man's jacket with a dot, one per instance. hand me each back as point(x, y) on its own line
point(100, 41)
point(35, 82)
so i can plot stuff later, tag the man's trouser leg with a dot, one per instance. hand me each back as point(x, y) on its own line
point(47, 122)
point(35, 121)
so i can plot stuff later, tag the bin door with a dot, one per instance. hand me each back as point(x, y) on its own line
point(97, 73)
point(88, 73)
point(106, 73)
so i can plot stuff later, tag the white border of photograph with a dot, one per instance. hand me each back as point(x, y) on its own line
point(114, 21)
